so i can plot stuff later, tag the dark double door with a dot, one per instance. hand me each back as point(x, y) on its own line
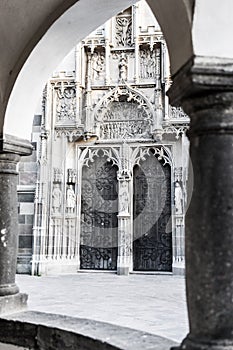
point(152, 236)
point(99, 209)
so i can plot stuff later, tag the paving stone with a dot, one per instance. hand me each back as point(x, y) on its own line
point(151, 303)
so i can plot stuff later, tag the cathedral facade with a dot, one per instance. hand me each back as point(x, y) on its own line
point(105, 188)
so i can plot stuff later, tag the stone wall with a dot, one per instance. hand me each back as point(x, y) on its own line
point(26, 193)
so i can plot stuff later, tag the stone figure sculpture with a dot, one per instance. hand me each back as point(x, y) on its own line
point(123, 198)
point(178, 198)
point(70, 199)
point(56, 199)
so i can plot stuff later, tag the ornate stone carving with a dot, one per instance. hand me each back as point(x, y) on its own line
point(123, 68)
point(147, 64)
point(163, 154)
point(98, 65)
point(123, 114)
point(70, 133)
point(178, 174)
point(66, 103)
point(177, 113)
point(149, 39)
point(175, 129)
point(56, 199)
point(178, 198)
point(124, 30)
point(70, 199)
point(123, 198)
point(57, 175)
point(71, 176)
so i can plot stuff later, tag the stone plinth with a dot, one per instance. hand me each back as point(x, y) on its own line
point(13, 303)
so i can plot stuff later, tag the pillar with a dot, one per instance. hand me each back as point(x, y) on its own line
point(10, 298)
point(124, 227)
point(208, 100)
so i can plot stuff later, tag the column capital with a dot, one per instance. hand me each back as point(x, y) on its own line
point(13, 144)
point(199, 76)
point(204, 89)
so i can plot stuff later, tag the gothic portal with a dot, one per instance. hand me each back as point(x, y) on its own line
point(105, 186)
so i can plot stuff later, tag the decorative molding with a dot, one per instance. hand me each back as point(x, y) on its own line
point(71, 133)
point(57, 175)
point(177, 114)
point(178, 174)
point(162, 153)
point(13, 144)
point(178, 130)
point(71, 176)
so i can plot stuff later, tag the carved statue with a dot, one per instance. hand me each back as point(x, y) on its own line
point(123, 198)
point(70, 199)
point(56, 199)
point(97, 65)
point(147, 64)
point(178, 198)
point(123, 69)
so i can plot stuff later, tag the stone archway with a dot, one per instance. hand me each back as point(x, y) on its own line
point(202, 85)
point(54, 43)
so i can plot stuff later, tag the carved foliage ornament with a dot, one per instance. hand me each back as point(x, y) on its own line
point(124, 30)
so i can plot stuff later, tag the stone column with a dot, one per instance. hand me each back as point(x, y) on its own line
point(208, 99)
point(124, 227)
point(10, 298)
point(124, 250)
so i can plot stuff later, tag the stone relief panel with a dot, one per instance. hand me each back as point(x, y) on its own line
point(98, 66)
point(124, 120)
point(65, 103)
point(124, 30)
point(147, 64)
point(123, 114)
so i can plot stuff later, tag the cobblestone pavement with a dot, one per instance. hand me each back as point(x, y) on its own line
point(151, 303)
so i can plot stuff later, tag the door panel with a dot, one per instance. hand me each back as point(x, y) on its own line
point(99, 223)
point(152, 244)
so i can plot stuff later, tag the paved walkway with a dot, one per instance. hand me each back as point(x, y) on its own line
point(151, 303)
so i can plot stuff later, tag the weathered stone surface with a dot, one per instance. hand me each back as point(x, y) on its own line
point(13, 303)
point(54, 332)
point(11, 347)
point(208, 100)
point(8, 223)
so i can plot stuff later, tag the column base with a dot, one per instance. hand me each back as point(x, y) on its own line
point(123, 271)
point(13, 303)
point(8, 289)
